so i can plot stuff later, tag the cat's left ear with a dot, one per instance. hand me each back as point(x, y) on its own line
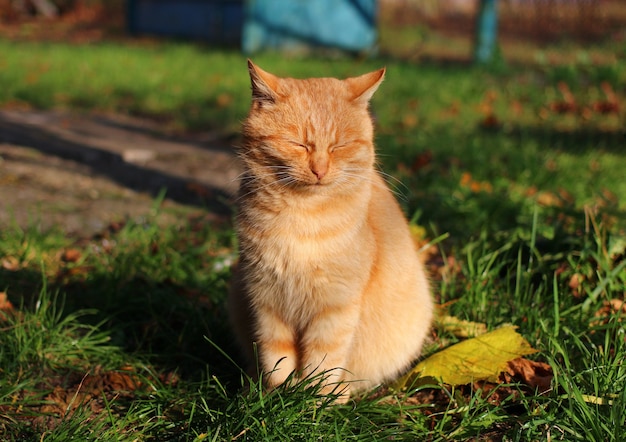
point(364, 86)
point(264, 84)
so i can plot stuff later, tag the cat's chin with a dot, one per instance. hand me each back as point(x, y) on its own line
point(328, 184)
point(314, 188)
point(311, 184)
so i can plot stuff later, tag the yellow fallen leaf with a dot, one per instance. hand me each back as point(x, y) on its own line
point(482, 358)
point(460, 327)
point(595, 400)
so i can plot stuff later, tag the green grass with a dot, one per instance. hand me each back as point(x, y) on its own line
point(123, 336)
point(141, 306)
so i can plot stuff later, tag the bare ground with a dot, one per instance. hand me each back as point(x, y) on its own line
point(82, 172)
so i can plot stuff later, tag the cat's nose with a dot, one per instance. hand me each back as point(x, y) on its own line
point(319, 167)
point(319, 173)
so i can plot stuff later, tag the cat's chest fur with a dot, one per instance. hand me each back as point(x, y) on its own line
point(303, 253)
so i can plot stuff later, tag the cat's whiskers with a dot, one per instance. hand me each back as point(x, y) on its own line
point(252, 176)
point(265, 166)
point(282, 183)
point(280, 176)
point(398, 188)
point(391, 186)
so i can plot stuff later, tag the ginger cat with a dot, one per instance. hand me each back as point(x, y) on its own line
point(328, 278)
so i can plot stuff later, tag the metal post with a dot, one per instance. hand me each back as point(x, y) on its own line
point(486, 31)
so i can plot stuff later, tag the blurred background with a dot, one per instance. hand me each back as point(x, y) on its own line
point(415, 29)
point(489, 106)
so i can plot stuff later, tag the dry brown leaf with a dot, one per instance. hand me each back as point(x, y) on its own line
point(6, 308)
point(537, 375)
point(5, 304)
point(91, 391)
point(468, 182)
point(10, 263)
point(71, 255)
point(113, 381)
point(548, 199)
point(612, 307)
point(618, 305)
point(575, 284)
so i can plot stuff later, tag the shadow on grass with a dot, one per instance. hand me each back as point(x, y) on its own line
point(581, 140)
point(177, 328)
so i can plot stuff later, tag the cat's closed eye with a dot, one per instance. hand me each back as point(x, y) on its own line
point(298, 144)
point(339, 146)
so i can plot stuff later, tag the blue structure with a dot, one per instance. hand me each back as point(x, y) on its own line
point(486, 31)
point(214, 21)
point(349, 25)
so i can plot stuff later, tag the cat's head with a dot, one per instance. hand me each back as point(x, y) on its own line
point(312, 132)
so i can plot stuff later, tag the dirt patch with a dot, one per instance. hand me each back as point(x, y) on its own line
point(83, 171)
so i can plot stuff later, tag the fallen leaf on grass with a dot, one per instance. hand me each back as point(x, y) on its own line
point(460, 327)
point(71, 255)
point(610, 308)
point(537, 375)
point(6, 308)
point(95, 392)
point(468, 182)
point(5, 304)
point(575, 284)
point(548, 199)
point(482, 358)
point(10, 263)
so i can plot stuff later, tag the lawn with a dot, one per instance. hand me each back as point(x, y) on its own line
point(513, 175)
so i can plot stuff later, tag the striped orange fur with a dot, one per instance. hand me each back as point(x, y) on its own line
point(328, 278)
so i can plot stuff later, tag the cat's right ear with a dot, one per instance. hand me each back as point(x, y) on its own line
point(264, 84)
point(363, 87)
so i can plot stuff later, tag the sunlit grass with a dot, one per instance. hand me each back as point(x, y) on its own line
point(136, 308)
point(530, 202)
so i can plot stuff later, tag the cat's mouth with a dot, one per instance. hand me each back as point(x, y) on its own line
point(313, 183)
point(321, 182)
